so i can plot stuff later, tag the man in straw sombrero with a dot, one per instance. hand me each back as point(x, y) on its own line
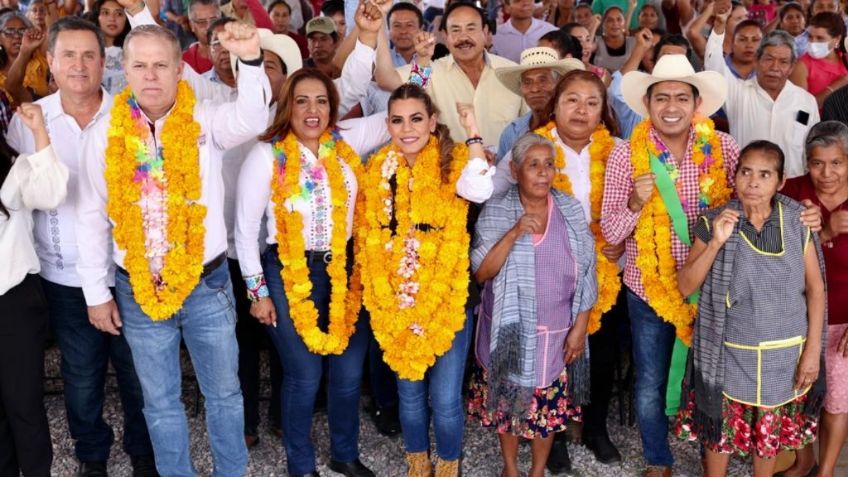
point(534, 79)
point(675, 166)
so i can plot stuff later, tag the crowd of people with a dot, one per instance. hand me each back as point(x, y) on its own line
point(474, 206)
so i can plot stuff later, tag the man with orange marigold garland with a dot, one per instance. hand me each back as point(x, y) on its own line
point(674, 167)
point(150, 180)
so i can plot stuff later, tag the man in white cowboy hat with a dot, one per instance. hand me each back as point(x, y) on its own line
point(670, 97)
point(534, 79)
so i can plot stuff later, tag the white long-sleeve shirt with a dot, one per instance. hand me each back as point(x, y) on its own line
point(223, 125)
point(55, 239)
point(37, 181)
point(754, 115)
point(254, 198)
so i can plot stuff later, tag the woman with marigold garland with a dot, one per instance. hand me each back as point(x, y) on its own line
point(414, 261)
point(754, 380)
point(536, 255)
point(301, 176)
point(584, 130)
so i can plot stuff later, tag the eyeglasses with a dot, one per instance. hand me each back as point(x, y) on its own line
point(205, 22)
point(215, 45)
point(13, 32)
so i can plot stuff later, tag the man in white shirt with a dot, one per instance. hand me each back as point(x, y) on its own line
point(522, 31)
point(767, 106)
point(76, 56)
point(192, 302)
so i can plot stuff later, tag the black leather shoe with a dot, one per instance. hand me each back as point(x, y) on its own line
point(351, 469)
point(92, 469)
point(144, 466)
point(387, 421)
point(558, 459)
point(604, 450)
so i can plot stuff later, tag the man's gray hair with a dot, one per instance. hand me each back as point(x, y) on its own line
point(527, 142)
point(153, 31)
point(825, 134)
point(206, 3)
point(777, 38)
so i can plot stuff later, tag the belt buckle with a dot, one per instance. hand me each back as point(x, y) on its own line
point(328, 257)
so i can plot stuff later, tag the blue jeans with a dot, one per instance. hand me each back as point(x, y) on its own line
point(86, 352)
point(443, 383)
point(653, 342)
point(302, 371)
point(206, 323)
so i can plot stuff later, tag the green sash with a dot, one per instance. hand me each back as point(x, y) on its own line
point(668, 193)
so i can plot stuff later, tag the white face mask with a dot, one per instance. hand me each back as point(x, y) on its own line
point(819, 50)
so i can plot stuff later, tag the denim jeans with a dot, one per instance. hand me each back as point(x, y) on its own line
point(443, 383)
point(86, 352)
point(302, 372)
point(653, 341)
point(206, 323)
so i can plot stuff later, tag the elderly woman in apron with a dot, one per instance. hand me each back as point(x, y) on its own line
point(534, 251)
point(754, 377)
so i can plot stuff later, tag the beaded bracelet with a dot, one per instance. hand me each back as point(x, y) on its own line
point(256, 287)
point(420, 75)
point(474, 140)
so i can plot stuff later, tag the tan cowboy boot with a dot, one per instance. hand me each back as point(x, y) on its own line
point(657, 471)
point(447, 468)
point(419, 464)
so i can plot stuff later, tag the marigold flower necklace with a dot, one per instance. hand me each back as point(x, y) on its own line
point(153, 196)
point(601, 144)
point(415, 277)
point(653, 230)
point(345, 298)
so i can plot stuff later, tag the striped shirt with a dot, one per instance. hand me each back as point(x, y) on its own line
point(768, 239)
point(618, 222)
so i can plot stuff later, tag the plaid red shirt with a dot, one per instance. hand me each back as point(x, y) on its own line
point(618, 221)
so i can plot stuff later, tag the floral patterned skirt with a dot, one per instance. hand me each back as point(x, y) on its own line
point(549, 412)
point(749, 429)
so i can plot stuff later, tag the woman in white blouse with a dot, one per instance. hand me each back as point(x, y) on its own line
point(327, 155)
point(38, 181)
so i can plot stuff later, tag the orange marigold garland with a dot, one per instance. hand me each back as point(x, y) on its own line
point(416, 281)
point(601, 145)
point(130, 166)
point(345, 298)
point(654, 228)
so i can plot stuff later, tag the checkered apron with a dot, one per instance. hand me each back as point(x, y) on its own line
point(766, 322)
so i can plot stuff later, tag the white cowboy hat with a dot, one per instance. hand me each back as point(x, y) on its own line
point(532, 59)
point(281, 45)
point(712, 87)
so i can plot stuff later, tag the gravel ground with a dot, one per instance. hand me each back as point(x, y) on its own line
point(383, 455)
